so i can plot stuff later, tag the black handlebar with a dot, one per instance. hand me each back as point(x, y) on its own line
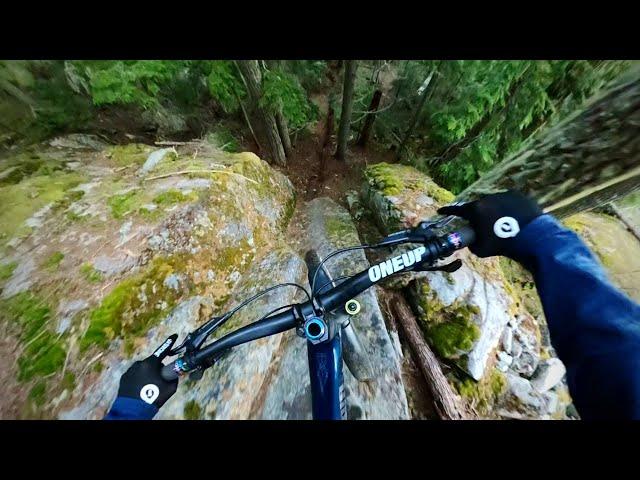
point(435, 248)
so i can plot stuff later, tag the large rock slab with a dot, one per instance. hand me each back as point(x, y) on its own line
point(81, 227)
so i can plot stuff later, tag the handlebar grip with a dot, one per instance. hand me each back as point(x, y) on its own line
point(168, 373)
point(466, 236)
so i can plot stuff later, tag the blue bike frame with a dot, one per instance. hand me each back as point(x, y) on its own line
point(325, 372)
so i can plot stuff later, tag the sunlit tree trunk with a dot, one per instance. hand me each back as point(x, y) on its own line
point(350, 67)
point(251, 73)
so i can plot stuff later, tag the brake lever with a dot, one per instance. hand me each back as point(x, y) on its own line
point(196, 339)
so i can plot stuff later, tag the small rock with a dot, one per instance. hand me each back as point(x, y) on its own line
point(522, 389)
point(516, 350)
point(211, 275)
point(548, 374)
point(172, 281)
point(154, 159)
point(551, 401)
point(526, 363)
point(507, 339)
point(37, 219)
point(125, 229)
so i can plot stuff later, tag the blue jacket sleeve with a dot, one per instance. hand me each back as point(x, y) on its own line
point(594, 328)
point(125, 408)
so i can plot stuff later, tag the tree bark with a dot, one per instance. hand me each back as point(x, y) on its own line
point(246, 119)
point(447, 403)
point(570, 162)
point(281, 122)
point(251, 73)
point(347, 107)
point(416, 114)
point(370, 118)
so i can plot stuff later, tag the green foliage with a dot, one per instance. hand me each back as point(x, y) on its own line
point(282, 90)
point(225, 84)
point(137, 82)
point(478, 112)
point(486, 392)
point(310, 73)
point(223, 138)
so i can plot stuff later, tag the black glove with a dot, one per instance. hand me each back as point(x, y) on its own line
point(143, 380)
point(497, 219)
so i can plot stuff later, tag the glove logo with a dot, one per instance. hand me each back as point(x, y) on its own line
point(149, 393)
point(506, 227)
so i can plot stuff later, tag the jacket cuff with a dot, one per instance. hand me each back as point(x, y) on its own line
point(125, 408)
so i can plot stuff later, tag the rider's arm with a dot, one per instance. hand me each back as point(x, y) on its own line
point(125, 408)
point(594, 327)
point(142, 389)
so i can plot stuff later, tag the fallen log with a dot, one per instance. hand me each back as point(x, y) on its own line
point(447, 403)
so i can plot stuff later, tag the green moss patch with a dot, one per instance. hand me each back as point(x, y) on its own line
point(174, 196)
point(519, 284)
point(6, 270)
point(123, 204)
point(22, 200)
point(393, 180)
point(483, 394)
point(192, 410)
point(53, 261)
point(131, 154)
point(451, 330)
point(43, 352)
point(132, 307)
point(90, 274)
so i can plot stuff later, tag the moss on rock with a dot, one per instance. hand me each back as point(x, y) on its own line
point(483, 394)
point(132, 307)
point(451, 330)
point(174, 196)
point(20, 201)
point(6, 270)
point(53, 261)
point(43, 353)
point(192, 410)
point(130, 154)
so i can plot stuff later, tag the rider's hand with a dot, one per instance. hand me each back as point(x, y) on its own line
point(497, 219)
point(143, 380)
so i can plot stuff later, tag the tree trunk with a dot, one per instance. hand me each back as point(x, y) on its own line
point(588, 159)
point(370, 118)
point(283, 130)
point(416, 114)
point(251, 73)
point(246, 119)
point(281, 122)
point(447, 403)
point(347, 106)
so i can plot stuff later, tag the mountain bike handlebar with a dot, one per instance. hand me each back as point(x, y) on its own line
point(432, 248)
